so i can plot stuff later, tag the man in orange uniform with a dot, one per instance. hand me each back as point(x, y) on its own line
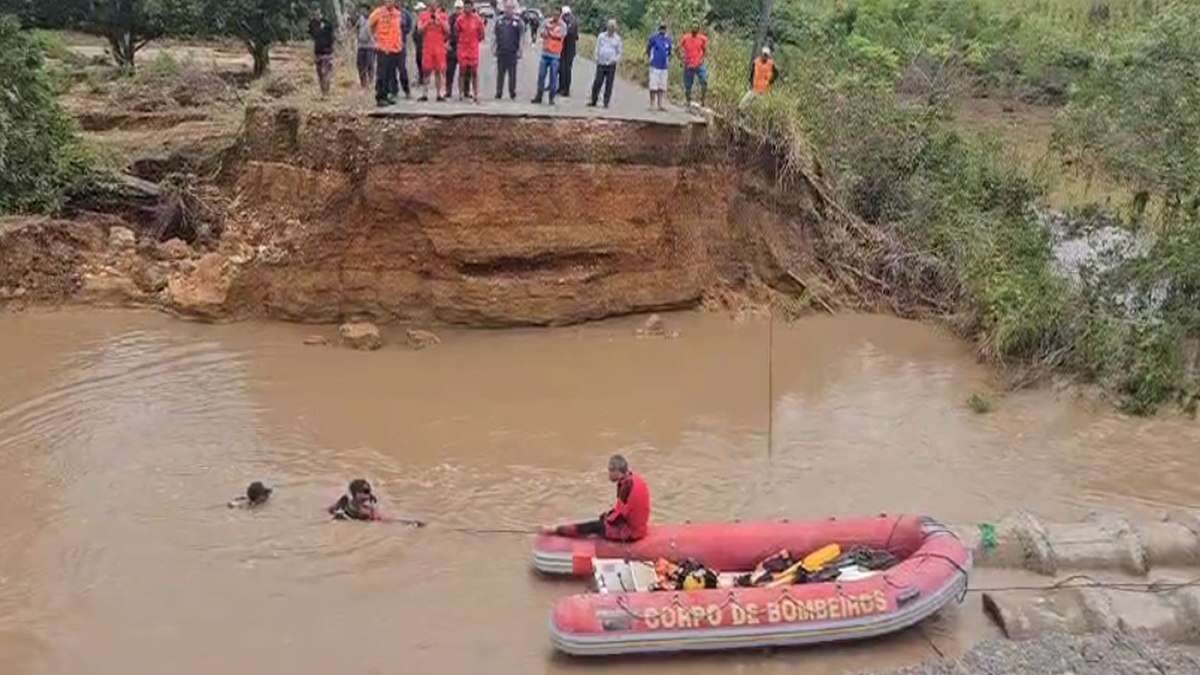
point(763, 73)
point(469, 32)
point(627, 520)
point(387, 24)
point(434, 27)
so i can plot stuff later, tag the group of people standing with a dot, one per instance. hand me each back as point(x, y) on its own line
point(447, 49)
point(446, 46)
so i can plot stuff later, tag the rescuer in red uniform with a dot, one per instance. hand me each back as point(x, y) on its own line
point(627, 520)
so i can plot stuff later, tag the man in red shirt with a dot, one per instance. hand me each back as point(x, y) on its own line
point(694, 47)
point(627, 520)
point(469, 33)
point(434, 26)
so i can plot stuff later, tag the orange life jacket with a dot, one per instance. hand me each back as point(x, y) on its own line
point(387, 24)
point(764, 71)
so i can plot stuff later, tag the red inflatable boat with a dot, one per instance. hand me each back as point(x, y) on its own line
point(930, 571)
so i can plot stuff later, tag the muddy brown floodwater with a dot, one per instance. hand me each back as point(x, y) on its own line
point(122, 435)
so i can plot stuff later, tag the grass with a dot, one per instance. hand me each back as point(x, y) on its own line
point(980, 404)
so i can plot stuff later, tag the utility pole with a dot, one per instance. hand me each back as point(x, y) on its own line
point(764, 25)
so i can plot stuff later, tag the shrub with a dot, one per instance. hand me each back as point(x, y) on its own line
point(41, 158)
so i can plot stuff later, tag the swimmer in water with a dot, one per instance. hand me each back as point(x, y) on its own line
point(257, 494)
point(359, 503)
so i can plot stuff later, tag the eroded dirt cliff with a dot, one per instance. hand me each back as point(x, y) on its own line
point(477, 221)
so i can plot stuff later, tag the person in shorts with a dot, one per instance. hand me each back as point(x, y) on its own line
point(469, 33)
point(658, 50)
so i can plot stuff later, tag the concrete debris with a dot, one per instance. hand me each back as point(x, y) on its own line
point(121, 237)
point(420, 339)
point(1115, 653)
point(362, 336)
point(654, 326)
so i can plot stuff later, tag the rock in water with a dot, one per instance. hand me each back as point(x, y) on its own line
point(316, 341)
point(121, 237)
point(421, 339)
point(362, 336)
point(656, 327)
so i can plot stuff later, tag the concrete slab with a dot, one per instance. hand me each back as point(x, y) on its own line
point(630, 101)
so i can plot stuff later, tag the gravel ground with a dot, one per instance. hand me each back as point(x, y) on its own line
point(1110, 654)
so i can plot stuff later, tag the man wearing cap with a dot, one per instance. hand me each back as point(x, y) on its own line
point(469, 33)
point(452, 48)
point(570, 43)
point(506, 46)
point(763, 74)
point(658, 50)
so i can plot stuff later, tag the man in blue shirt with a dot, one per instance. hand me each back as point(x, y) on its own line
point(658, 48)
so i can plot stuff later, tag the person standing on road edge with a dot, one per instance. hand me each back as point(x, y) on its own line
point(387, 26)
point(763, 73)
point(508, 38)
point(321, 30)
point(566, 66)
point(534, 24)
point(658, 49)
point(452, 48)
point(469, 33)
point(366, 47)
point(553, 33)
point(694, 46)
point(419, 42)
point(434, 27)
point(609, 49)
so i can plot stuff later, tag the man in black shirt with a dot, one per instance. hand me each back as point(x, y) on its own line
point(322, 34)
point(570, 44)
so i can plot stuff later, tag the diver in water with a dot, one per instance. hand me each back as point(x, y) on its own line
point(257, 494)
point(359, 503)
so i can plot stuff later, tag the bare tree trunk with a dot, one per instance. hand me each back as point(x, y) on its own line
point(261, 52)
point(764, 25)
point(121, 43)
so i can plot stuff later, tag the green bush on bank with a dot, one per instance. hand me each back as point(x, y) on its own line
point(41, 158)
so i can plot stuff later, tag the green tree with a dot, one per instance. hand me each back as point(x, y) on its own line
point(677, 14)
point(128, 25)
point(259, 24)
point(1138, 116)
point(40, 155)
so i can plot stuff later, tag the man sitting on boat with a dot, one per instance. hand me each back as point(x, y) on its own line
point(627, 520)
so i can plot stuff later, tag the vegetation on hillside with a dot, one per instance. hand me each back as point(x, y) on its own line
point(41, 158)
